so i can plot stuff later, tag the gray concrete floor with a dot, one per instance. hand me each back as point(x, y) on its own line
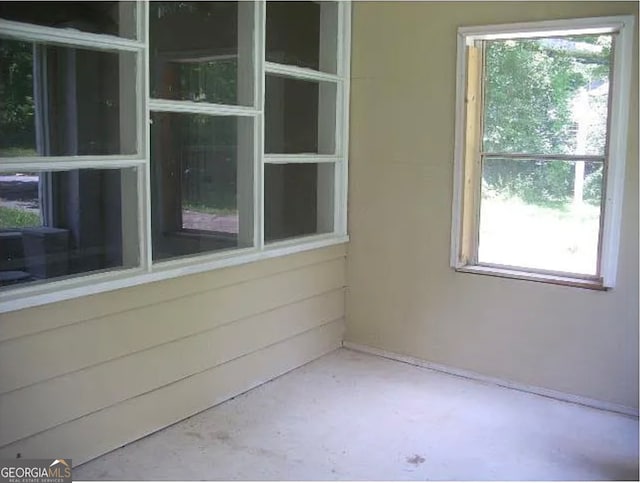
point(351, 416)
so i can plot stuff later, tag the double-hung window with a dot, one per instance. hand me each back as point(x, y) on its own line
point(542, 114)
point(146, 140)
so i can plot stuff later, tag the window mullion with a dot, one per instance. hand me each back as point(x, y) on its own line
point(193, 107)
point(60, 163)
point(300, 158)
point(550, 157)
point(342, 116)
point(67, 37)
point(260, 73)
point(141, 24)
point(301, 73)
point(146, 245)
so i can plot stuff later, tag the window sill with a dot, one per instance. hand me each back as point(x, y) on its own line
point(592, 284)
point(60, 290)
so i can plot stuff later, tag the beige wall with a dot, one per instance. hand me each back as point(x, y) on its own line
point(402, 295)
point(82, 377)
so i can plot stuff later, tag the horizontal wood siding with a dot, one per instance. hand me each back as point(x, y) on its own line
point(46, 317)
point(119, 334)
point(95, 434)
point(61, 376)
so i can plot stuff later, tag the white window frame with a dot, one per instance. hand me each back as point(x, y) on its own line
point(20, 297)
point(464, 253)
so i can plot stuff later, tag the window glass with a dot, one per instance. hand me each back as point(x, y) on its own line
point(202, 51)
point(298, 199)
point(541, 214)
point(113, 18)
point(202, 183)
point(299, 116)
point(57, 224)
point(60, 101)
point(543, 97)
point(547, 95)
point(303, 34)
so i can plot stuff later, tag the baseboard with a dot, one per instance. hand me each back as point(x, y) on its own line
point(541, 391)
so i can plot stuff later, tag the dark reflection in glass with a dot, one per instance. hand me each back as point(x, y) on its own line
point(112, 18)
point(293, 33)
point(195, 188)
point(59, 101)
point(292, 116)
point(298, 200)
point(58, 224)
point(195, 51)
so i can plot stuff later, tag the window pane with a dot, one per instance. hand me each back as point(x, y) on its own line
point(58, 224)
point(303, 34)
point(541, 214)
point(298, 200)
point(300, 116)
point(202, 183)
point(113, 18)
point(64, 101)
point(547, 96)
point(202, 51)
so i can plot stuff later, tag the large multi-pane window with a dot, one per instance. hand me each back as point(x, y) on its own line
point(141, 140)
point(541, 150)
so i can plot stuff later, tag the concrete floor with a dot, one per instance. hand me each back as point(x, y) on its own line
point(351, 416)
